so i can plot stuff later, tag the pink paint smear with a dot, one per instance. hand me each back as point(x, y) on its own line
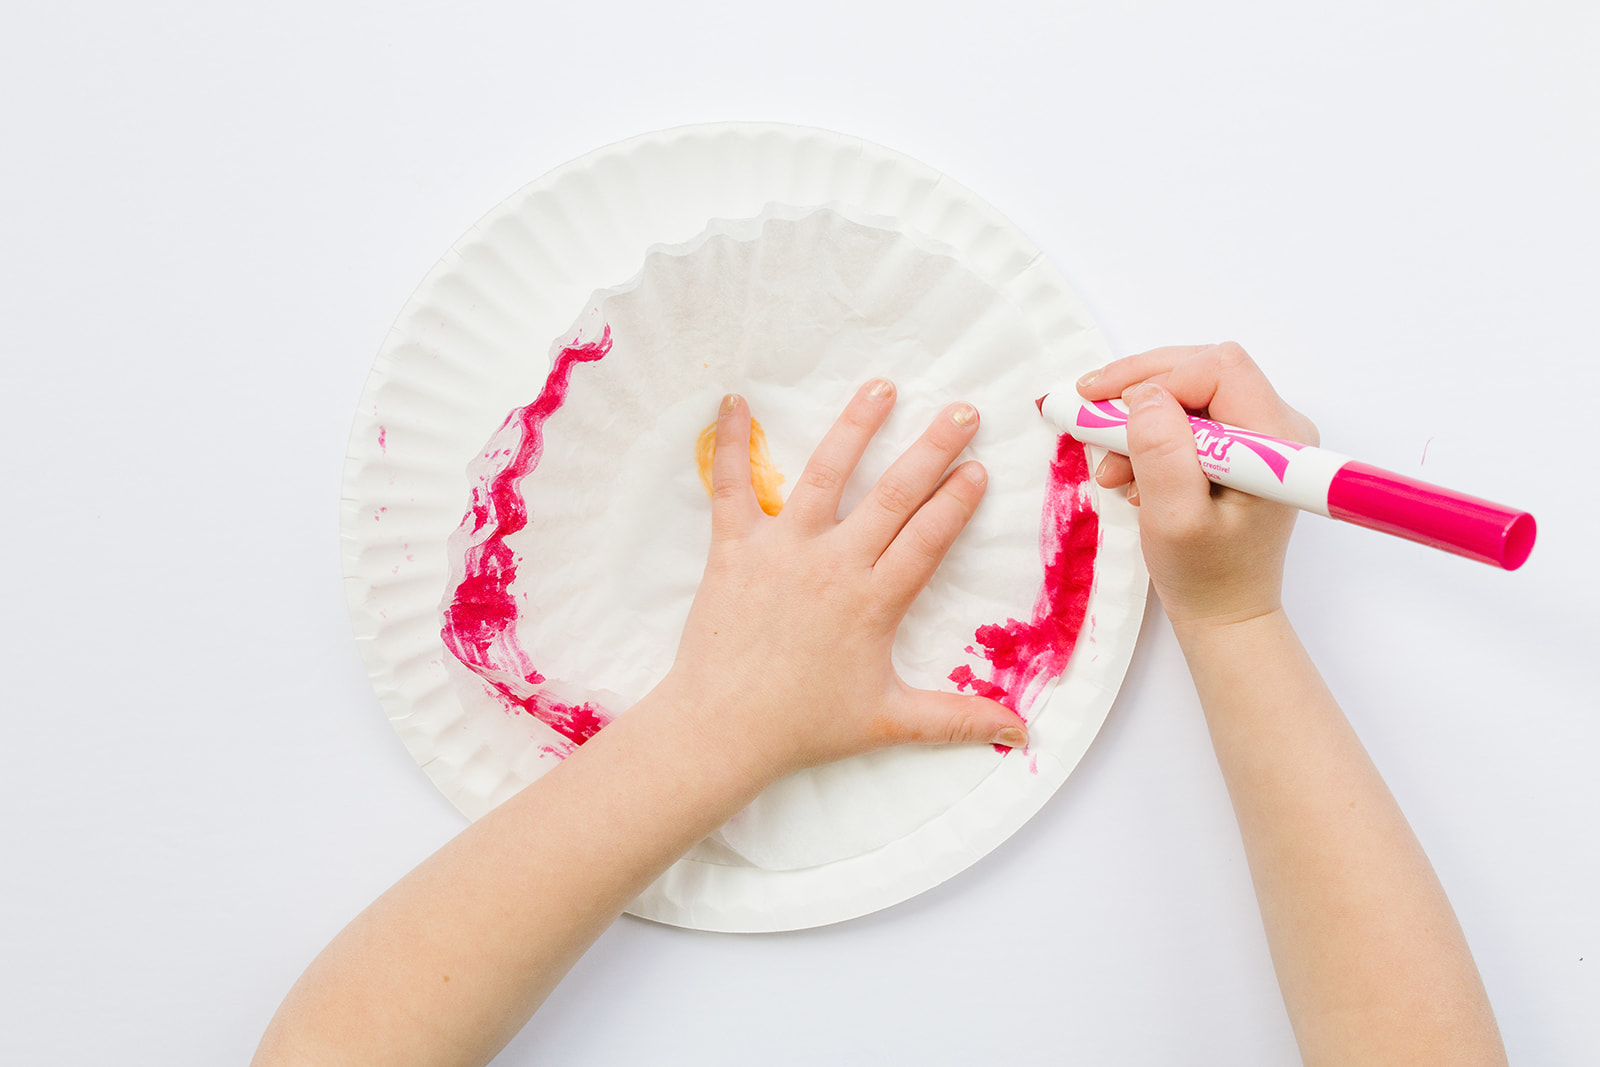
point(480, 620)
point(1023, 656)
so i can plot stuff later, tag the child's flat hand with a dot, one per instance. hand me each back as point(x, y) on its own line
point(1215, 554)
point(785, 659)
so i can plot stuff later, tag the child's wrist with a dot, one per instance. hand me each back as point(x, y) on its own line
point(710, 729)
point(1227, 626)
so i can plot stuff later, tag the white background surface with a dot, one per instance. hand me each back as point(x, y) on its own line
point(211, 218)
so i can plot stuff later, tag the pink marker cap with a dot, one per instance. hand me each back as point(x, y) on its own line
point(1466, 525)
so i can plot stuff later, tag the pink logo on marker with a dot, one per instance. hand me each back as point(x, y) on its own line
point(1211, 439)
point(1266, 447)
point(1100, 414)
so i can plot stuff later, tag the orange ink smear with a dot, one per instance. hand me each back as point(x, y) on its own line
point(763, 472)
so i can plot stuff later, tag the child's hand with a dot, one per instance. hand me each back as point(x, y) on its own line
point(784, 660)
point(1215, 554)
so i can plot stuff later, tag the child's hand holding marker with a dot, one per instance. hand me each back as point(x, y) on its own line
point(1213, 553)
point(785, 663)
point(1286, 469)
point(1370, 959)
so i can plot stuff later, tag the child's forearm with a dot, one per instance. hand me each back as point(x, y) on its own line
point(1370, 959)
point(449, 963)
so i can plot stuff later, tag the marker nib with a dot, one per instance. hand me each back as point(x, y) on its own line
point(1040, 403)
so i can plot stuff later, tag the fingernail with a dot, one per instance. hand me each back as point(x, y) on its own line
point(1141, 396)
point(1100, 469)
point(963, 414)
point(1011, 737)
point(730, 403)
point(974, 473)
point(1133, 494)
point(880, 387)
point(1088, 379)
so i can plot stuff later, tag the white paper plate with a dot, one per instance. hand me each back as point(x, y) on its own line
point(472, 344)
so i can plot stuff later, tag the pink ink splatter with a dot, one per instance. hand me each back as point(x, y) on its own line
point(480, 618)
point(383, 440)
point(1023, 656)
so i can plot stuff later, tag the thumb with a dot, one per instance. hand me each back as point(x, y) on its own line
point(935, 718)
point(1161, 448)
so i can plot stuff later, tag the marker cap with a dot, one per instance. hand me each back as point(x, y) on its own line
point(1466, 525)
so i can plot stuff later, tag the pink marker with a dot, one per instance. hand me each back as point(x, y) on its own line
point(1318, 480)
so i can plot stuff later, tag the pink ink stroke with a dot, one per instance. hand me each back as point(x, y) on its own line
point(1023, 656)
point(480, 619)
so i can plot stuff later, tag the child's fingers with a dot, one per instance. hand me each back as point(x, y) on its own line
point(733, 499)
point(1114, 470)
point(1161, 443)
point(1116, 376)
point(933, 718)
point(814, 502)
point(1225, 382)
point(917, 550)
point(909, 481)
